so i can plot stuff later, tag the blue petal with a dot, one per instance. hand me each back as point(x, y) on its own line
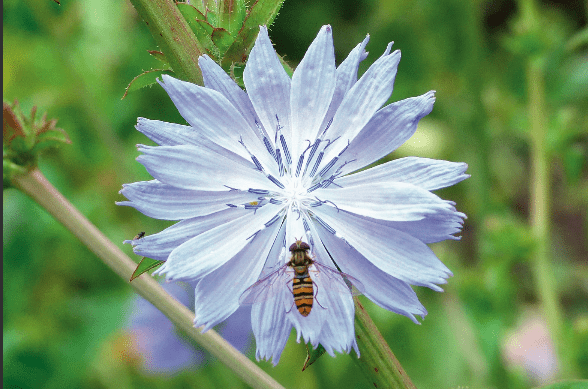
point(216, 78)
point(211, 113)
point(159, 246)
point(387, 130)
point(431, 229)
point(313, 84)
point(217, 294)
point(385, 199)
point(429, 174)
point(339, 304)
point(362, 101)
point(392, 251)
point(270, 327)
point(208, 251)
point(162, 201)
point(268, 86)
point(346, 77)
point(199, 168)
point(334, 341)
point(170, 134)
point(380, 287)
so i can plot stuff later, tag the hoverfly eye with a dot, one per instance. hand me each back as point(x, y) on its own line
point(304, 246)
point(294, 246)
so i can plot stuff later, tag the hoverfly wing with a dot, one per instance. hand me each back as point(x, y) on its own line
point(335, 280)
point(266, 287)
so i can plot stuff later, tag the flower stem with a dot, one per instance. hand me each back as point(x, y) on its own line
point(39, 189)
point(377, 361)
point(173, 36)
point(540, 185)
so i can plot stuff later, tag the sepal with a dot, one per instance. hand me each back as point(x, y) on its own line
point(160, 57)
point(24, 137)
point(227, 29)
point(312, 354)
point(144, 266)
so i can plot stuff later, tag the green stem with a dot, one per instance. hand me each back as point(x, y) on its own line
point(540, 207)
point(377, 361)
point(173, 36)
point(39, 189)
point(540, 186)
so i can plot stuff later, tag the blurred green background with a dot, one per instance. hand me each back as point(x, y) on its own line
point(65, 313)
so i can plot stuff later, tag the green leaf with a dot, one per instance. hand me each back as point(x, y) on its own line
point(286, 67)
point(313, 355)
point(262, 12)
point(236, 73)
point(222, 40)
point(237, 52)
point(232, 15)
point(51, 138)
point(200, 26)
point(199, 5)
point(144, 266)
point(147, 78)
point(161, 57)
point(212, 18)
point(173, 36)
point(21, 144)
point(191, 14)
point(206, 26)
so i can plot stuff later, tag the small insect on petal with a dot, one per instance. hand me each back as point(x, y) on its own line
point(304, 289)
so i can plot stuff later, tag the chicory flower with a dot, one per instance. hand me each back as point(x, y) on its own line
point(255, 171)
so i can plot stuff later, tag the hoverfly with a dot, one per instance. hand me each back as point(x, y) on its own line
point(139, 235)
point(304, 289)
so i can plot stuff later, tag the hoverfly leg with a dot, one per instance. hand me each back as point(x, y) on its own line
point(292, 306)
point(288, 285)
point(316, 295)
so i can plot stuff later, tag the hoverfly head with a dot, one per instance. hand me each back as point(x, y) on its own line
point(299, 245)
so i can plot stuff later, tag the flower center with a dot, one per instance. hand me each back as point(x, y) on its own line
point(295, 193)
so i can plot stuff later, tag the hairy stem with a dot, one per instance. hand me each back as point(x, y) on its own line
point(173, 36)
point(377, 361)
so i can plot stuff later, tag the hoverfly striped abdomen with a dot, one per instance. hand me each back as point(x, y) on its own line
point(302, 285)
